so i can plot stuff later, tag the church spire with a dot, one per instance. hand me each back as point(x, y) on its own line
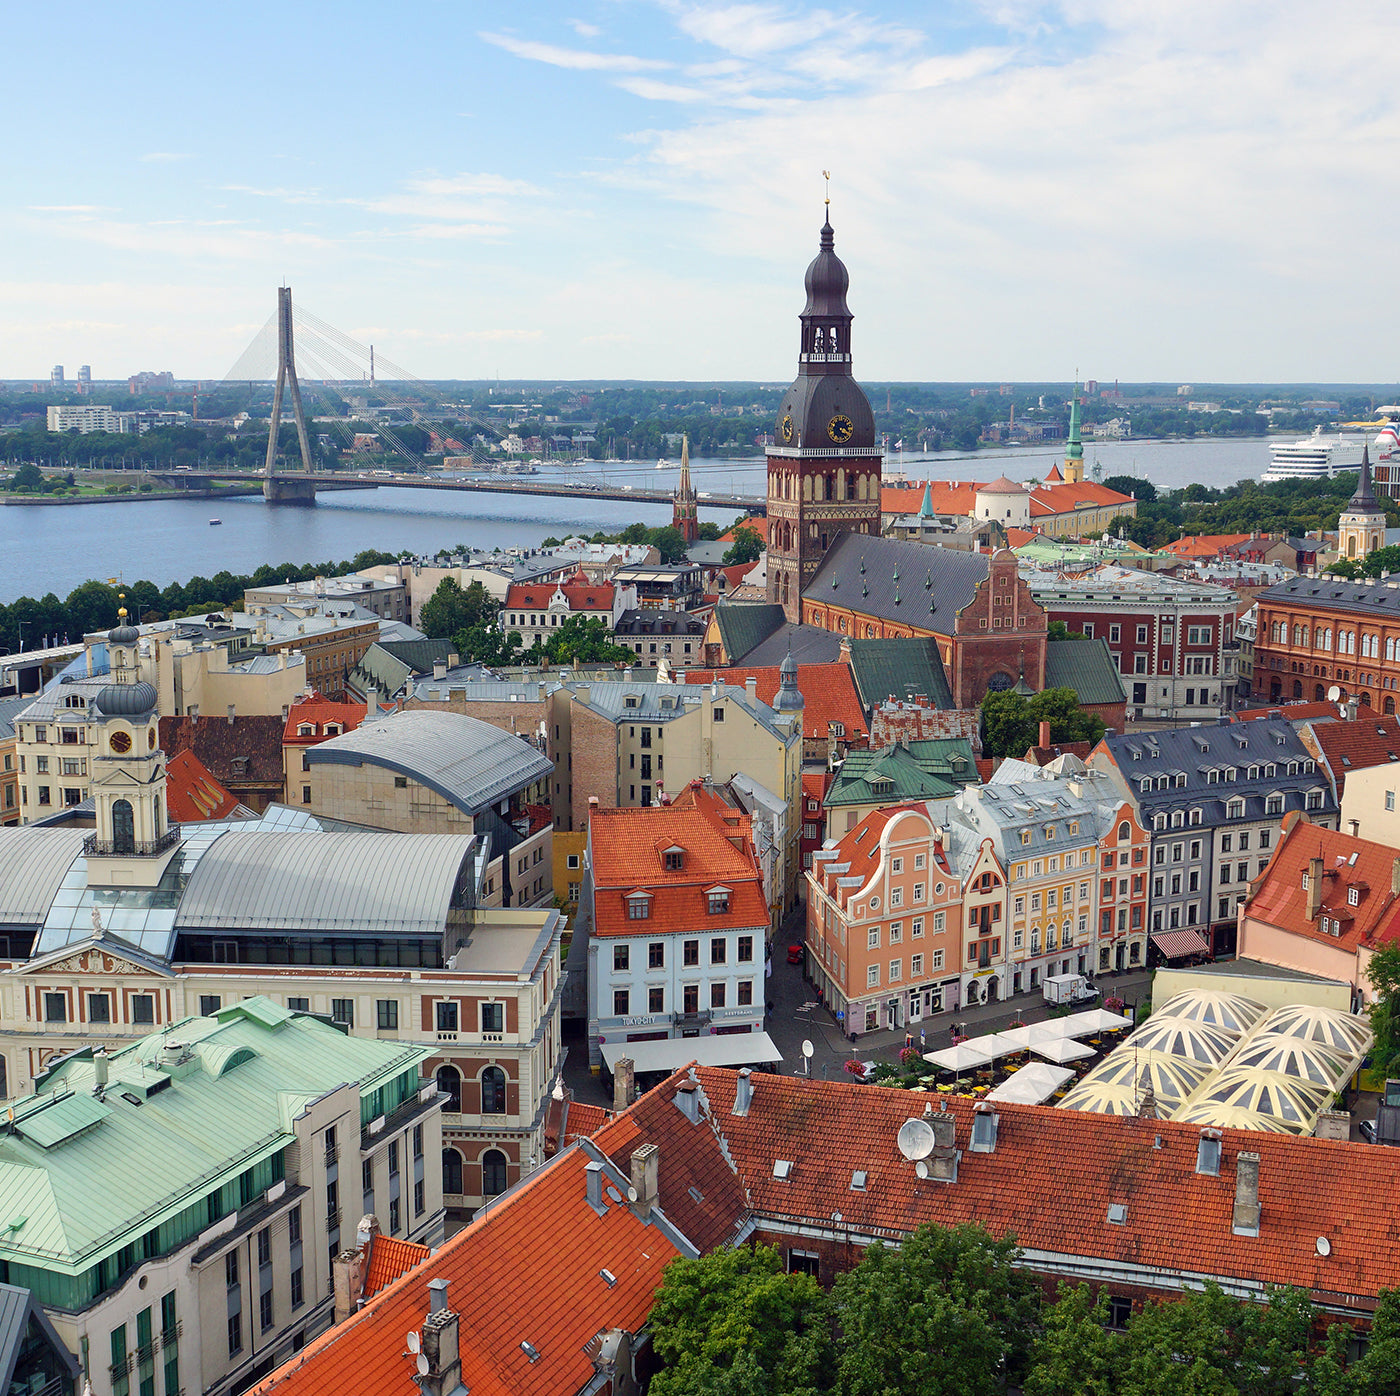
point(1364, 500)
point(684, 512)
point(1074, 451)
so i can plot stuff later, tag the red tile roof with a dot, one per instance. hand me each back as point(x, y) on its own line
point(221, 744)
point(1371, 740)
point(1044, 755)
point(584, 1120)
point(1348, 864)
point(524, 1270)
point(957, 497)
point(319, 711)
point(1065, 498)
point(578, 593)
point(828, 694)
point(1293, 712)
point(388, 1259)
point(1200, 545)
point(192, 794)
point(627, 855)
point(758, 524)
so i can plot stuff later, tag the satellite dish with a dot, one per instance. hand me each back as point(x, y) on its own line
point(915, 1139)
point(422, 1365)
point(807, 1048)
point(921, 1168)
point(1334, 694)
point(412, 1340)
point(1324, 1246)
point(631, 1194)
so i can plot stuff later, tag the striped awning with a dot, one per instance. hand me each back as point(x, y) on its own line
point(1176, 945)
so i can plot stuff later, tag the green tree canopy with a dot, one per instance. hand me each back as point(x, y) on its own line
point(746, 547)
point(451, 608)
point(27, 477)
point(1384, 972)
point(581, 638)
point(1144, 491)
point(1011, 723)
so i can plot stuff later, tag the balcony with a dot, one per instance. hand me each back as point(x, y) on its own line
point(691, 1022)
point(145, 848)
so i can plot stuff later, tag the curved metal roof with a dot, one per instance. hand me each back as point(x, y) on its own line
point(366, 882)
point(1183, 1037)
point(33, 864)
point(1344, 1032)
point(468, 762)
point(1233, 1012)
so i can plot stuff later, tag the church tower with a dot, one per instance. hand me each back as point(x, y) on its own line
point(824, 468)
point(1074, 451)
point(1361, 529)
point(684, 515)
point(134, 839)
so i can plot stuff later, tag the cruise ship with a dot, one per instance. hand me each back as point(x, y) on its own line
point(1315, 457)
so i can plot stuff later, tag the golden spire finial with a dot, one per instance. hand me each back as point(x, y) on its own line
point(826, 175)
point(121, 610)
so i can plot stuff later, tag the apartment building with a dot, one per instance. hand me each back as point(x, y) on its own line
point(532, 609)
point(387, 597)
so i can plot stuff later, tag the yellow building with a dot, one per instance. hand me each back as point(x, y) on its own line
point(1361, 528)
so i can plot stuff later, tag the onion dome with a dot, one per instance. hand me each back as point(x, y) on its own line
point(127, 699)
point(123, 633)
point(827, 279)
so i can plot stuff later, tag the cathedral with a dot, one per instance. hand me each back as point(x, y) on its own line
point(824, 467)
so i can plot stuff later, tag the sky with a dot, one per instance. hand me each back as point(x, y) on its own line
point(1204, 190)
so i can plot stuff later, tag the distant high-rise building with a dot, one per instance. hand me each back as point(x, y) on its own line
point(148, 382)
point(85, 378)
point(56, 377)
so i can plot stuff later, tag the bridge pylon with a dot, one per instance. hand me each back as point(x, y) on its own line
point(284, 490)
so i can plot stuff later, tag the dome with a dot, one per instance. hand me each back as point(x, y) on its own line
point(789, 697)
point(123, 632)
point(1215, 1008)
point(127, 699)
point(827, 279)
point(1182, 1037)
point(1001, 485)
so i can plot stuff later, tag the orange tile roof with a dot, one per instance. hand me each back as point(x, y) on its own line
point(1065, 498)
point(1019, 537)
point(1204, 544)
point(758, 524)
point(580, 595)
point(388, 1259)
point(957, 497)
point(1293, 712)
point(828, 694)
point(1373, 739)
point(192, 793)
point(319, 711)
point(524, 1270)
point(1281, 900)
point(583, 1120)
point(627, 855)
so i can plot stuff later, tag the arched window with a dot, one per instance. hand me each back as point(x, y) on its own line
point(1124, 832)
point(1318, 693)
point(493, 1091)
point(493, 1173)
point(449, 1082)
point(1297, 688)
point(451, 1172)
point(123, 827)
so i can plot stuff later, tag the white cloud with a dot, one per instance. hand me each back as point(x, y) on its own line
point(580, 59)
point(156, 157)
point(583, 29)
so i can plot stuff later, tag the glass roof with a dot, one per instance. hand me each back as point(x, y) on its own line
point(1172, 1078)
point(1183, 1037)
point(1343, 1031)
point(1294, 1104)
point(1305, 1061)
point(1231, 1012)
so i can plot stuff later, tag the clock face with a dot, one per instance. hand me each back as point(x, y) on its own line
point(840, 428)
point(120, 743)
point(787, 428)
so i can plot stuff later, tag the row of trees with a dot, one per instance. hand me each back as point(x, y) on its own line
point(93, 605)
point(948, 1313)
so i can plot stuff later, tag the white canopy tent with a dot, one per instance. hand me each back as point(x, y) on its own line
point(1032, 1085)
point(1053, 1030)
point(669, 1053)
point(976, 1051)
point(1093, 1020)
point(1065, 1050)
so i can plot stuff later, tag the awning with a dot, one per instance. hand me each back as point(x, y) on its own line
point(1032, 1085)
point(1176, 945)
point(671, 1053)
point(1065, 1050)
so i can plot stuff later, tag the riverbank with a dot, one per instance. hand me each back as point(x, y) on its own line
point(49, 499)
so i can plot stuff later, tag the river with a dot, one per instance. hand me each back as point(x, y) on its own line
point(57, 548)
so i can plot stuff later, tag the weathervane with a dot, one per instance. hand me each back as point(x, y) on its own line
point(826, 175)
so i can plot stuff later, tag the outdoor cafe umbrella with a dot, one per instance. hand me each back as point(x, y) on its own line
point(1066, 1049)
point(1032, 1085)
point(1093, 1020)
point(1034, 1033)
point(976, 1051)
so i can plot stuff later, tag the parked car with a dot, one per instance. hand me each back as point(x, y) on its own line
point(794, 954)
point(1368, 1131)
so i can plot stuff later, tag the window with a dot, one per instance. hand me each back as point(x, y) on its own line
point(493, 1017)
point(719, 948)
point(209, 1004)
point(690, 953)
point(622, 957)
point(656, 1000)
point(638, 908)
point(717, 995)
point(690, 998)
point(235, 1333)
point(343, 1011)
point(939, 921)
point(55, 1008)
point(872, 977)
point(896, 971)
point(916, 966)
point(449, 1083)
point(143, 1008)
point(1390, 799)
point(745, 950)
point(717, 901)
point(896, 932)
point(674, 858)
point(936, 960)
point(493, 1092)
point(620, 1002)
point(99, 1008)
point(387, 1014)
point(298, 1005)
point(916, 928)
point(451, 1172)
point(493, 1173)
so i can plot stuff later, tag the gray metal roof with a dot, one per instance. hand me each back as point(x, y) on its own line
point(898, 581)
point(10, 709)
point(33, 864)
point(643, 702)
point(1380, 599)
point(468, 762)
point(371, 882)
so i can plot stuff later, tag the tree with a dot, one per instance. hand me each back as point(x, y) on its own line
point(1383, 971)
point(28, 477)
point(947, 1314)
point(451, 609)
point(1144, 491)
point(487, 644)
point(733, 1322)
point(585, 639)
point(746, 547)
point(1377, 1373)
point(669, 542)
point(91, 607)
point(1075, 1354)
point(1058, 630)
point(1011, 723)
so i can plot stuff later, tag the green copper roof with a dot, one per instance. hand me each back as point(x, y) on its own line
point(743, 626)
point(1075, 449)
point(926, 508)
point(1087, 667)
point(930, 770)
point(899, 669)
point(82, 1175)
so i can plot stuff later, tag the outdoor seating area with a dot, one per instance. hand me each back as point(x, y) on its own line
point(1220, 1059)
point(1000, 1067)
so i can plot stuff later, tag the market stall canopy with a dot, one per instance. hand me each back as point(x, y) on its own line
point(1032, 1085)
point(1093, 1020)
point(976, 1051)
point(1065, 1050)
point(671, 1053)
point(1033, 1033)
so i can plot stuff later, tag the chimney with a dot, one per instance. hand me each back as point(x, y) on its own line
point(943, 1160)
point(100, 1065)
point(1352, 708)
point(646, 1162)
point(743, 1090)
point(453, 660)
point(439, 668)
point(348, 1280)
point(1044, 734)
point(1246, 1214)
point(687, 1100)
point(624, 1081)
point(593, 1182)
point(440, 1339)
point(230, 714)
point(1315, 887)
point(751, 687)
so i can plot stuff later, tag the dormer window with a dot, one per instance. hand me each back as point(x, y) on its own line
point(333, 729)
point(1353, 896)
point(673, 859)
point(717, 900)
point(638, 907)
point(306, 729)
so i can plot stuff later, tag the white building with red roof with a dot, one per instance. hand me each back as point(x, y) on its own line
point(533, 609)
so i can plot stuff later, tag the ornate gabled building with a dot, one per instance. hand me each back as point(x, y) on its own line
point(824, 469)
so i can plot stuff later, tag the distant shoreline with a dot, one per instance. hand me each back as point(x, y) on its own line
point(46, 499)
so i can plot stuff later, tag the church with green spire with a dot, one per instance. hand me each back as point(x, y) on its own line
point(1074, 452)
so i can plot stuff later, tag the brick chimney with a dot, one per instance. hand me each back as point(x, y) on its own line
point(646, 1165)
point(440, 1345)
point(1044, 734)
point(1315, 888)
point(624, 1081)
point(1246, 1214)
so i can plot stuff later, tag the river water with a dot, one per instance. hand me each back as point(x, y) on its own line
point(56, 548)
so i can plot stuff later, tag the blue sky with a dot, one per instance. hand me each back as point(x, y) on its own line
point(631, 188)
